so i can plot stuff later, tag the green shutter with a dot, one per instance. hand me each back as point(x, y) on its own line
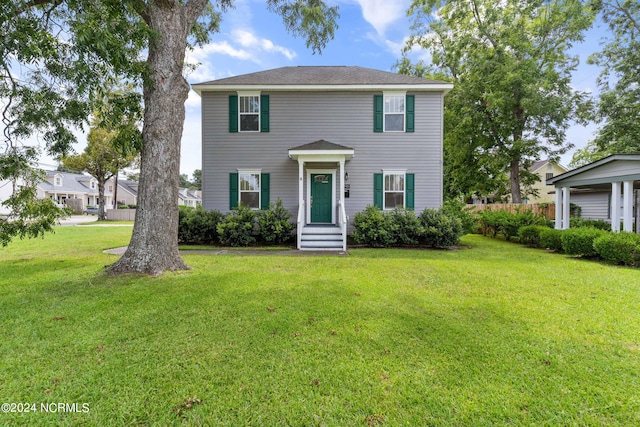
point(233, 190)
point(233, 113)
point(378, 190)
point(264, 191)
point(410, 190)
point(410, 113)
point(378, 113)
point(264, 113)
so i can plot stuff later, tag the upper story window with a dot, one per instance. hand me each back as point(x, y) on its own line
point(248, 112)
point(93, 184)
point(394, 109)
point(394, 112)
point(249, 188)
point(249, 109)
point(57, 181)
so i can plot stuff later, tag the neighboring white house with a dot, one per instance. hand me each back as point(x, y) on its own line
point(6, 190)
point(63, 187)
point(128, 194)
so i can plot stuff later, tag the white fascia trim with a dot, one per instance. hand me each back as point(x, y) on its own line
point(248, 92)
point(394, 171)
point(436, 87)
point(321, 155)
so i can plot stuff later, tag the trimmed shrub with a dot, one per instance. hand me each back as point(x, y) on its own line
point(274, 224)
point(458, 209)
point(407, 227)
point(579, 241)
point(592, 223)
point(506, 223)
point(551, 238)
point(197, 225)
point(530, 234)
point(619, 248)
point(373, 228)
point(440, 229)
point(237, 228)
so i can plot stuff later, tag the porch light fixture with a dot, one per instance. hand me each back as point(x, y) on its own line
point(346, 176)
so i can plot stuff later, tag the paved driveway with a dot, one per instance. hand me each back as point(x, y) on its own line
point(77, 219)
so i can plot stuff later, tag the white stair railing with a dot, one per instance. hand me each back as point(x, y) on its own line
point(300, 222)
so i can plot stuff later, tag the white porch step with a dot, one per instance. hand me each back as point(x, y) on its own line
point(321, 238)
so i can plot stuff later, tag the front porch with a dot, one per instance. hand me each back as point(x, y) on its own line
point(322, 219)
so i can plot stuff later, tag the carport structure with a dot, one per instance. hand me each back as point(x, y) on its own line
point(619, 174)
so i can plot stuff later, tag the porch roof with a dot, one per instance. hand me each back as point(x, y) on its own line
point(321, 150)
point(614, 168)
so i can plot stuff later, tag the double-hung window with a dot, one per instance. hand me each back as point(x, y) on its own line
point(249, 112)
point(249, 188)
point(394, 112)
point(394, 187)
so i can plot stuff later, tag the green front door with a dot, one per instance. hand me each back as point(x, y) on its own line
point(321, 186)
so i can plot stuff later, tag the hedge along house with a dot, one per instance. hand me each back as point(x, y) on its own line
point(327, 141)
point(606, 189)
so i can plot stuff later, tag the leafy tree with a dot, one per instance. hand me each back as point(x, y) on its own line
point(512, 99)
point(52, 54)
point(619, 105)
point(197, 179)
point(102, 160)
point(106, 38)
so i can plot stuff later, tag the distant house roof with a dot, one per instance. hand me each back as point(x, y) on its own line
point(71, 183)
point(323, 78)
point(540, 163)
point(129, 186)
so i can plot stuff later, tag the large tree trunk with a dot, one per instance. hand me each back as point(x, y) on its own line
point(514, 180)
point(154, 244)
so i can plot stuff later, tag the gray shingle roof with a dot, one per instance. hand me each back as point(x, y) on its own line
point(321, 145)
point(323, 75)
point(71, 183)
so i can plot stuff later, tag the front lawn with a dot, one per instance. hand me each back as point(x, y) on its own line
point(496, 334)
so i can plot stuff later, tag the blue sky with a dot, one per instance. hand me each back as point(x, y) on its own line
point(371, 34)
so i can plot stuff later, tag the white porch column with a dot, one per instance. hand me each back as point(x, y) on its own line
point(566, 207)
point(342, 183)
point(558, 225)
point(627, 206)
point(615, 206)
point(300, 182)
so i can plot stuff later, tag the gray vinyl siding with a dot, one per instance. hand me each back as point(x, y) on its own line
point(344, 118)
point(594, 205)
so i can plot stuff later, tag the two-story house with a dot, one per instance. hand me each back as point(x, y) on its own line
point(327, 141)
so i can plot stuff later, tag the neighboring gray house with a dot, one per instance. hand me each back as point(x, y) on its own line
point(327, 141)
point(606, 189)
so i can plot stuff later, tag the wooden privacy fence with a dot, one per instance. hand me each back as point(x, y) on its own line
point(548, 210)
point(121, 214)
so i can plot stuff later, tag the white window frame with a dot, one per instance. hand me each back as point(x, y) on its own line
point(93, 184)
point(388, 109)
point(259, 190)
point(241, 95)
point(57, 181)
point(386, 173)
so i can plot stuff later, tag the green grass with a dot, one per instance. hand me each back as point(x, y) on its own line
point(496, 334)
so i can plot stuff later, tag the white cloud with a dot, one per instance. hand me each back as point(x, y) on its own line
point(382, 13)
point(248, 40)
